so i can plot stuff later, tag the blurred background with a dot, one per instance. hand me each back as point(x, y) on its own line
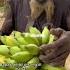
point(2, 11)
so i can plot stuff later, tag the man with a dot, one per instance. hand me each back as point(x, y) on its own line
point(17, 19)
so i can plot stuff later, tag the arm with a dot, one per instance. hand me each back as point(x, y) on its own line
point(7, 25)
point(59, 50)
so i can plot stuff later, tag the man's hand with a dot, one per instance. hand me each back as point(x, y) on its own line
point(56, 52)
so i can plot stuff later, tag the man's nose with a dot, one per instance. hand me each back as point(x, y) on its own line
point(41, 1)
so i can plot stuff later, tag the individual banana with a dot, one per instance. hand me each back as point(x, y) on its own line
point(22, 57)
point(23, 47)
point(29, 39)
point(11, 41)
point(14, 50)
point(13, 33)
point(51, 39)
point(49, 67)
point(20, 38)
point(10, 61)
point(2, 59)
point(34, 30)
point(11, 64)
point(33, 64)
point(45, 35)
point(34, 60)
point(4, 50)
point(3, 39)
point(32, 48)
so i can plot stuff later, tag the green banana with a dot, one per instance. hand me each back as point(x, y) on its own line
point(4, 50)
point(29, 39)
point(34, 30)
point(10, 63)
point(17, 33)
point(49, 67)
point(34, 60)
point(11, 41)
point(3, 39)
point(20, 38)
point(32, 64)
point(45, 35)
point(2, 59)
point(23, 47)
point(14, 50)
point(37, 33)
point(13, 33)
point(32, 48)
point(22, 57)
point(51, 39)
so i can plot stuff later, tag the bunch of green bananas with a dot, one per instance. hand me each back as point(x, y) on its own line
point(14, 56)
point(34, 36)
point(21, 50)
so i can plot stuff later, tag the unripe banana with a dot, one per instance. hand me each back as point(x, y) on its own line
point(2, 59)
point(13, 33)
point(11, 64)
point(32, 48)
point(3, 39)
point(34, 60)
point(23, 47)
point(10, 61)
point(14, 50)
point(51, 39)
point(33, 64)
point(49, 67)
point(22, 57)
point(4, 50)
point(45, 35)
point(34, 30)
point(11, 41)
point(29, 39)
point(20, 38)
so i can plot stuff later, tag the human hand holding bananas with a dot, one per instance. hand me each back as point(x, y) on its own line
point(24, 47)
point(57, 52)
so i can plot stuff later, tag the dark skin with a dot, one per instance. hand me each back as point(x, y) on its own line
point(59, 50)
